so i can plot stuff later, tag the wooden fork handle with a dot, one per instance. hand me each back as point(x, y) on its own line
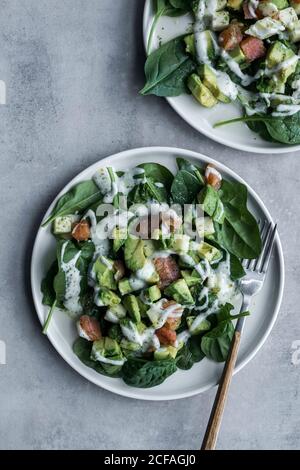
point(214, 423)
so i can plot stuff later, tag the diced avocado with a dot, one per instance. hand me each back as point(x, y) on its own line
point(220, 20)
point(235, 4)
point(107, 298)
point(149, 248)
point(152, 294)
point(165, 353)
point(180, 292)
point(119, 236)
point(295, 32)
point(191, 278)
point(208, 198)
point(115, 313)
point(207, 40)
point(190, 44)
point(197, 325)
point(125, 287)
point(147, 274)
point(63, 225)
point(288, 17)
point(265, 28)
point(129, 347)
point(209, 79)
point(221, 4)
point(131, 304)
point(280, 4)
point(132, 331)
point(181, 244)
point(103, 180)
point(205, 226)
point(143, 307)
point(279, 53)
point(296, 6)
point(238, 55)
point(209, 252)
point(115, 333)
point(201, 92)
point(134, 254)
point(104, 270)
point(106, 348)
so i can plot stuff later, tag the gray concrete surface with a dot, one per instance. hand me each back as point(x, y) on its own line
point(73, 69)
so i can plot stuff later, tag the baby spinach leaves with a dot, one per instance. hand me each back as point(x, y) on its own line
point(156, 185)
point(187, 183)
point(285, 130)
point(190, 353)
point(236, 268)
point(47, 288)
point(239, 234)
point(158, 173)
point(167, 69)
point(145, 374)
point(78, 199)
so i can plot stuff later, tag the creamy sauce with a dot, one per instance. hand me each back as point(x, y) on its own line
point(121, 184)
point(159, 315)
point(106, 360)
point(81, 332)
point(72, 282)
point(252, 7)
point(265, 28)
point(286, 110)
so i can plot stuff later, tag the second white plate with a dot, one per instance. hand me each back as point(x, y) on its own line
point(206, 374)
point(237, 135)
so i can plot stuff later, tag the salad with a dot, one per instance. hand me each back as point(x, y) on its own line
point(234, 51)
point(147, 266)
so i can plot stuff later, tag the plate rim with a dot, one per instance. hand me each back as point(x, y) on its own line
point(84, 370)
point(210, 135)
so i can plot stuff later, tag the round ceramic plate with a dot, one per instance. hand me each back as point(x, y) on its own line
point(237, 135)
point(202, 376)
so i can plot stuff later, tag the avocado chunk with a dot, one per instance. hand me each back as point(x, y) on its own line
point(125, 287)
point(238, 55)
point(104, 271)
point(168, 352)
point(131, 304)
point(209, 79)
point(201, 92)
point(180, 244)
point(63, 225)
point(134, 254)
point(119, 236)
point(280, 4)
point(152, 294)
point(105, 350)
point(295, 32)
point(220, 20)
point(235, 4)
point(288, 17)
point(180, 292)
point(205, 226)
point(277, 54)
point(209, 252)
point(192, 278)
point(190, 44)
point(133, 331)
point(115, 313)
point(197, 325)
point(129, 347)
point(107, 298)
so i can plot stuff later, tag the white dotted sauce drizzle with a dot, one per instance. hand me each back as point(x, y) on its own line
point(72, 282)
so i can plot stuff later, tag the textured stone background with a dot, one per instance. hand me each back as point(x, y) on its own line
point(73, 69)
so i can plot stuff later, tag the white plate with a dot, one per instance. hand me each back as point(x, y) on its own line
point(202, 376)
point(238, 135)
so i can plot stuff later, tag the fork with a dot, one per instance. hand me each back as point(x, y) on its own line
point(249, 286)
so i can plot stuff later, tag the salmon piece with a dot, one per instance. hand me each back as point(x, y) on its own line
point(173, 323)
point(253, 48)
point(81, 231)
point(167, 270)
point(213, 177)
point(166, 336)
point(231, 37)
point(89, 328)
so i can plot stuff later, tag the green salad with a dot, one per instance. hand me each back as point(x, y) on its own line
point(236, 51)
point(147, 265)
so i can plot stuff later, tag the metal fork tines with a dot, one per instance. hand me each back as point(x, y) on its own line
point(256, 269)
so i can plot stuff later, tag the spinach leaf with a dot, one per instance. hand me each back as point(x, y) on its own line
point(285, 130)
point(236, 268)
point(158, 173)
point(189, 354)
point(82, 348)
point(239, 234)
point(185, 187)
point(190, 168)
point(216, 343)
point(167, 69)
point(144, 374)
point(144, 192)
point(224, 314)
point(47, 286)
point(78, 199)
